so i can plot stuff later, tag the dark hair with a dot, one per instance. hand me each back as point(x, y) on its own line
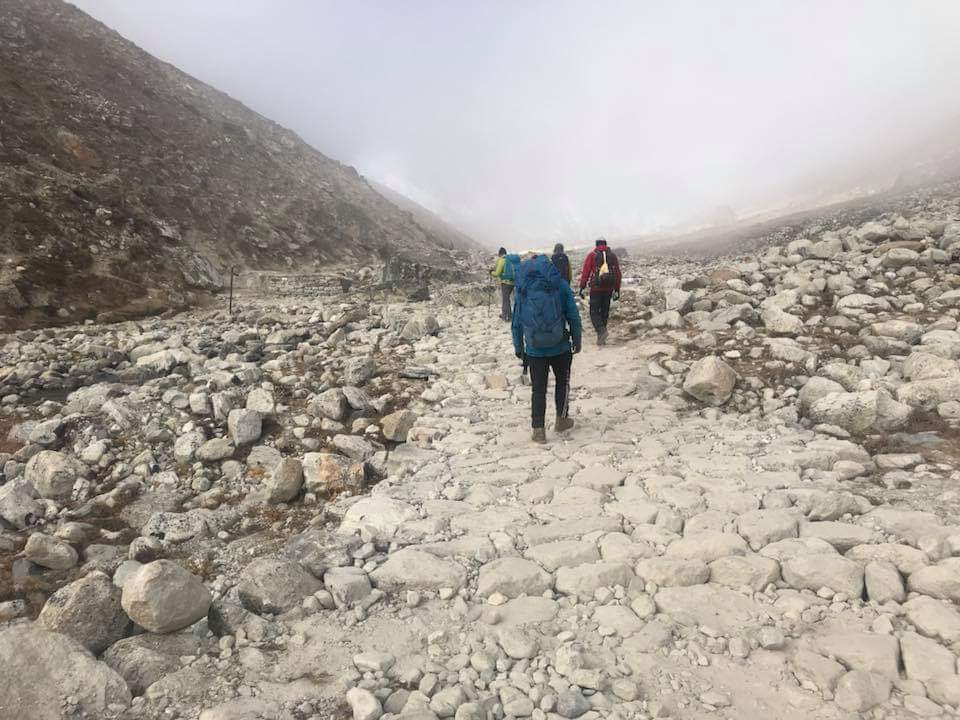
point(558, 248)
point(502, 251)
point(601, 242)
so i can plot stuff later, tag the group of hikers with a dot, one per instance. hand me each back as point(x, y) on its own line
point(537, 298)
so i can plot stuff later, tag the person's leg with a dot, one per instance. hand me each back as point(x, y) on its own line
point(595, 315)
point(560, 364)
point(604, 308)
point(509, 306)
point(505, 301)
point(538, 393)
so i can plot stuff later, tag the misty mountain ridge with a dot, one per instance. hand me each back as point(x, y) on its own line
point(127, 184)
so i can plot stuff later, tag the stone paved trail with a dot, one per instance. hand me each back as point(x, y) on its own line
point(658, 560)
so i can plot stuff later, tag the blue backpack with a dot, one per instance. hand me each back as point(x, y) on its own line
point(510, 267)
point(539, 288)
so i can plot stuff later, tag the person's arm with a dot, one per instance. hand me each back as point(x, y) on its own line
point(587, 270)
point(572, 315)
point(616, 272)
point(517, 327)
point(498, 268)
point(569, 273)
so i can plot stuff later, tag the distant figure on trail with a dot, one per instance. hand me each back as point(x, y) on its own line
point(562, 263)
point(601, 272)
point(546, 333)
point(505, 271)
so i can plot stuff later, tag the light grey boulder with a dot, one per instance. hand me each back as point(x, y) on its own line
point(513, 577)
point(245, 426)
point(860, 412)
point(868, 651)
point(859, 691)
point(412, 569)
point(710, 380)
point(348, 585)
point(284, 481)
point(275, 585)
point(358, 370)
point(813, 572)
point(50, 552)
point(163, 597)
point(88, 610)
point(397, 426)
point(814, 389)
point(780, 322)
point(925, 659)
point(41, 670)
point(884, 583)
point(53, 474)
point(326, 472)
point(18, 504)
point(420, 327)
point(331, 404)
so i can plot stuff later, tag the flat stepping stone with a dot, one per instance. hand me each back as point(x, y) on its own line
point(412, 569)
point(563, 553)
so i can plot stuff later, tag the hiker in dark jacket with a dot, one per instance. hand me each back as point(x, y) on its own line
point(601, 272)
point(547, 332)
point(562, 263)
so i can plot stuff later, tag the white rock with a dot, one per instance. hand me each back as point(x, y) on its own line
point(710, 380)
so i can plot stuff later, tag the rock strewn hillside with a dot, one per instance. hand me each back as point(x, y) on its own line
point(126, 184)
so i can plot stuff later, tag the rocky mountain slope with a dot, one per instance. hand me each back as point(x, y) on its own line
point(329, 506)
point(128, 185)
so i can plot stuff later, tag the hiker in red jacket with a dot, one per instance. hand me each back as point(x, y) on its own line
point(601, 272)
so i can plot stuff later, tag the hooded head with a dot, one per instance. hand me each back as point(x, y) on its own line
point(601, 242)
point(558, 248)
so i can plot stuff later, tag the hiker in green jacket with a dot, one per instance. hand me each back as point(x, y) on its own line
point(505, 271)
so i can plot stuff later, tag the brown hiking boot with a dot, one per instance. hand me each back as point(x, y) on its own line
point(563, 423)
point(539, 435)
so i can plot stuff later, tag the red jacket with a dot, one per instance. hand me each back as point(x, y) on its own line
point(594, 260)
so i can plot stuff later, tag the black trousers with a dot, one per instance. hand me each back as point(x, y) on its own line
point(506, 311)
point(600, 309)
point(539, 371)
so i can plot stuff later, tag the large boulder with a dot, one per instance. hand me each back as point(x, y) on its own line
point(285, 480)
point(18, 504)
point(87, 610)
point(275, 585)
point(859, 412)
point(163, 597)
point(146, 658)
point(324, 473)
point(50, 552)
point(41, 670)
point(710, 380)
point(412, 569)
point(331, 404)
point(358, 370)
point(513, 577)
point(245, 426)
point(397, 426)
point(813, 572)
point(927, 394)
point(815, 389)
point(779, 322)
point(420, 327)
point(53, 474)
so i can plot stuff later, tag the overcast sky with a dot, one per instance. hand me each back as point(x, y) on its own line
point(531, 120)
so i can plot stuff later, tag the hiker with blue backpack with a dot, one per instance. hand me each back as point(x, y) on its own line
point(505, 271)
point(546, 334)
